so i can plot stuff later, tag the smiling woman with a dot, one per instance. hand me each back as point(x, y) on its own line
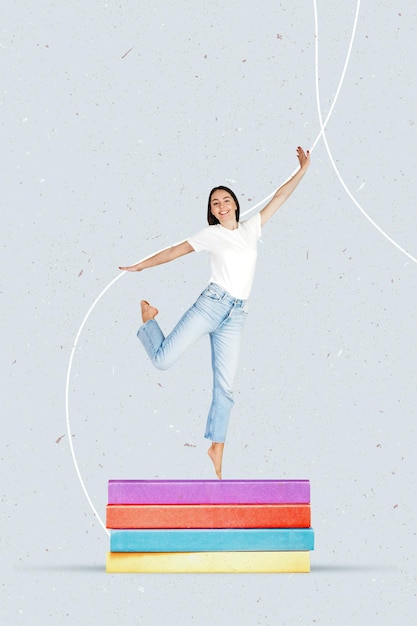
point(221, 308)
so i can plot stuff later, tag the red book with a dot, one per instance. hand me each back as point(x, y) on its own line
point(208, 516)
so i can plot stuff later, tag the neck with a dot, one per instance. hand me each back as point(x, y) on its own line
point(230, 224)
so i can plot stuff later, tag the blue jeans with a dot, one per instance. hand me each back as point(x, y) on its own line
point(220, 315)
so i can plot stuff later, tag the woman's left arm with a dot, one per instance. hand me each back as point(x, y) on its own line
point(284, 192)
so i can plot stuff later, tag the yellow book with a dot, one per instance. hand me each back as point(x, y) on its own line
point(208, 562)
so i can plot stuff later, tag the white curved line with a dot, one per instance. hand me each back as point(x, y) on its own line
point(342, 77)
point(67, 414)
point(323, 132)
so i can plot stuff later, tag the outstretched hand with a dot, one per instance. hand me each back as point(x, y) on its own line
point(163, 256)
point(131, 268)
point(303, 157)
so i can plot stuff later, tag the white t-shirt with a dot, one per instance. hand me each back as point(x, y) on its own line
point(232, 254)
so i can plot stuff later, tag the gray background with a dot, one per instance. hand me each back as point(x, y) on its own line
point(116, 120)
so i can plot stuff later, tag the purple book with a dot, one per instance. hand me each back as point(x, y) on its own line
point(209, 492)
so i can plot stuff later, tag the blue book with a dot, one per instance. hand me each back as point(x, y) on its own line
point(212, 540)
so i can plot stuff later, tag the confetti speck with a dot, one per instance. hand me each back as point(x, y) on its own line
point(126, 53)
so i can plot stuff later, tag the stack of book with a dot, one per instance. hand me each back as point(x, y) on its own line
point(203, 526)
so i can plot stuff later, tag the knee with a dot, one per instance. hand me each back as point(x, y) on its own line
point(161, 366)
point(161, 362)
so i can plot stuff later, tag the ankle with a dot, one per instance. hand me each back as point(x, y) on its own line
point(148, 312)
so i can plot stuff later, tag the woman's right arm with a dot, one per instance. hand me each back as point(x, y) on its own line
point(169, 254)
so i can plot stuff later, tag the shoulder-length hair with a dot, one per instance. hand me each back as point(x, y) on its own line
point(210, 217)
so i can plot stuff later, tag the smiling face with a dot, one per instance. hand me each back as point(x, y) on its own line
point(223, 207)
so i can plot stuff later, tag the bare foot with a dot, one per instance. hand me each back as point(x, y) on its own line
point(215, 452)
point(148, 311)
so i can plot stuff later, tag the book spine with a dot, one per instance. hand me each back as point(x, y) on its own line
point(209, 492)
point(220, 540)
point(208, 562)
point(208, 516)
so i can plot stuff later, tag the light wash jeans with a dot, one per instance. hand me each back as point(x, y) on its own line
point(218, 314)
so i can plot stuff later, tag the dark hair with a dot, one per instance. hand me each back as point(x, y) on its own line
point(210, 217)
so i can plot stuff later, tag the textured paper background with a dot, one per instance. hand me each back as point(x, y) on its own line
point(116, 120)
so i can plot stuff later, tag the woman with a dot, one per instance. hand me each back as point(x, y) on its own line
point(221, 309)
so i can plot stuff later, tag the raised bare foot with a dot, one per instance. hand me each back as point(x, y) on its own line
point(215, 452)
point(148, 311)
